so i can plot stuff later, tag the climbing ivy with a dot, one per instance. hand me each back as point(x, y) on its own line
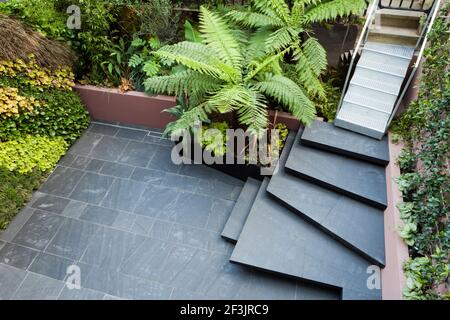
point(424, 181)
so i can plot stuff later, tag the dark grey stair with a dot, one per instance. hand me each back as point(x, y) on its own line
point(357, 225)
point(278, 240)
point(328, 137)
point(237, 218)
point(357, 179)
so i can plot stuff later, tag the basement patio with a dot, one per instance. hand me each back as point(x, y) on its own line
point(137, 226)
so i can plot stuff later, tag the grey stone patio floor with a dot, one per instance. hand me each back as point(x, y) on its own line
point(137, 226)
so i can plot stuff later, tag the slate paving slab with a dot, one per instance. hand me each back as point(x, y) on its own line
point(17, 256)
point(38, 230)
point(10, 280)
point(51, 266)
point(37, 287)
point(165, 244)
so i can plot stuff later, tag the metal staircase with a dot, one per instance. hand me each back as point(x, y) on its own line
point(383, 64)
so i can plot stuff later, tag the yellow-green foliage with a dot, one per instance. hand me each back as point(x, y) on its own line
point(283, 132)
point(34, 75)
point(214, 138)
point(31, 152)
point(12, 103)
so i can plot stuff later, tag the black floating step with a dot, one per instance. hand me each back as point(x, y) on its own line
point(241, 209)
point(357, 225)
point(327, 136)
point(357, 179)
point(278, 240)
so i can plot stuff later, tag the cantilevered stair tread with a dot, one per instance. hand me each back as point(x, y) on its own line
point(241, 209)
point(357, 225)
point(357, 179)
point(278, 240)
point(326, 136)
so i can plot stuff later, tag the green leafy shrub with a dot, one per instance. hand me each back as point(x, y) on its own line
point(61, 113)
point(133, 62)
point(15, 191)
point(425, 182)
point(41, 15)
point(55, 109)
point(31, 152)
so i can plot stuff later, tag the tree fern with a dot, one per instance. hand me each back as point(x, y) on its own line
point(286, 37)
point(227, 73)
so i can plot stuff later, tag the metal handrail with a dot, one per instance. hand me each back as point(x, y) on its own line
point(430, 22)
point(370, 15)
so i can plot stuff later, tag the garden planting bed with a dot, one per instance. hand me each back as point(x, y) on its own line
point(138, 108)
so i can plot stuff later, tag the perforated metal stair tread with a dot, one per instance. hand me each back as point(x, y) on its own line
point(326, 136)
point(354, 178)
point(370, 98)
point(390, 49)
point(377, 80)
point(383, 63)
point(278, 240)
point(241, 209)
point(362, 120)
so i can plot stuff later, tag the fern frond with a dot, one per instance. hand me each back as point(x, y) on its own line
point(311, 61)
point(254, 19)
point(333, 9)
point(190, 118)
point(281, 39)
point(273, 8)
point(256, 48)
point(254, 114)
point(218, 37)
point(151, 68)
point(183, 82)
point(316, 55)
point(290, 95)
point(257, 67)
point(197, 57)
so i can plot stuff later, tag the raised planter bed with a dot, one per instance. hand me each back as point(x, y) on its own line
point(131, 107)
point(138, 108)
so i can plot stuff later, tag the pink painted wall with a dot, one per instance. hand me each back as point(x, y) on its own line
point(392, 277)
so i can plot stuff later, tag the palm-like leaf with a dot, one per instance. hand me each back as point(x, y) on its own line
point(254, 19)
point(288, 93)
point(333, 9)
point(181, 83)
point(219, 38)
